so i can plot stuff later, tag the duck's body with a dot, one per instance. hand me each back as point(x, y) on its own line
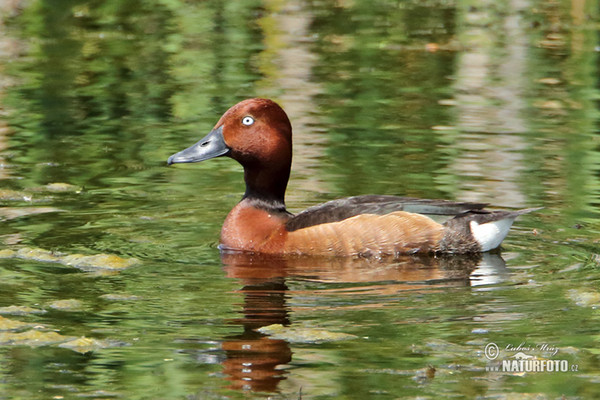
point(257, 133)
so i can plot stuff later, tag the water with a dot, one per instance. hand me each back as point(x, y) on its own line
point(494, 102)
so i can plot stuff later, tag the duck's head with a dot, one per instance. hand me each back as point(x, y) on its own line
point(257, 133)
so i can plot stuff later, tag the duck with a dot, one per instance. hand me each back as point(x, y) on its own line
point(257, 133)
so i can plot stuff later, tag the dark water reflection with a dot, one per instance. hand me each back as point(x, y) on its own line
point(253, 361)
point(493, 102)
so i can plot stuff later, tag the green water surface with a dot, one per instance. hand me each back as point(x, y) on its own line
point(490, 101)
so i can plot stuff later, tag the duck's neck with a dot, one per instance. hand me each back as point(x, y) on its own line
point(266, 186)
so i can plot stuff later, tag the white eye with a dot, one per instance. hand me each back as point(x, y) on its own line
point(247, 120)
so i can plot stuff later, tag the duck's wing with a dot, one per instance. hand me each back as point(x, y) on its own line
point(341, 209)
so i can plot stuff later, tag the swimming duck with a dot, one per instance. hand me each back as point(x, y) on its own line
point(258, 134)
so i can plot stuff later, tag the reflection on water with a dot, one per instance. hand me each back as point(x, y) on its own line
point(417, 271)
point(253, 361)
point(490, 99)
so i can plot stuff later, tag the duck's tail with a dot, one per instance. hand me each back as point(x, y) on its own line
point(479, 230)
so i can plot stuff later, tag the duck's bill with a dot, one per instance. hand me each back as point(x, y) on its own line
point(211, 146)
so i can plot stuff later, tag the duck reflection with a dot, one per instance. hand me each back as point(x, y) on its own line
point(255, 362)
point(251, 359)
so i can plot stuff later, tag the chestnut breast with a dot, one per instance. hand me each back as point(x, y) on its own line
point(249, 228)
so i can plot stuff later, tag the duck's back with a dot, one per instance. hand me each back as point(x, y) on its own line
point(390, 225)
point(341, 209)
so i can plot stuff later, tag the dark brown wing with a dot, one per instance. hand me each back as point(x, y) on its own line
point(341, 209)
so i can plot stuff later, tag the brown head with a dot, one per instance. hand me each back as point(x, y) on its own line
point(257, 133)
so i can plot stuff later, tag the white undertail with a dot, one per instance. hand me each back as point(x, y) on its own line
point(490, 234)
